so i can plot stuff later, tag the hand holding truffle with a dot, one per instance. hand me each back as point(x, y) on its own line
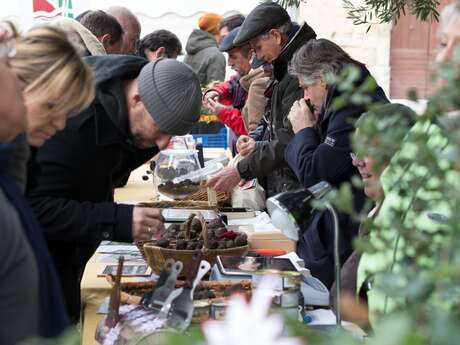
point(147, 222)
point(301, 116)
point(245, 145)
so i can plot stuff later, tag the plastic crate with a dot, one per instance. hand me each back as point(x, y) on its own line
point(220, 139)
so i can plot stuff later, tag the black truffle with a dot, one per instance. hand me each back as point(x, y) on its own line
point(213, 244)
point(191, 245)
point(196, 225)
point(181, 244)
point(163, 242)
point(241, 240)
point(220, 231)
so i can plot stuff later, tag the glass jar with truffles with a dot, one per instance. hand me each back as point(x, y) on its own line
point(172, 170)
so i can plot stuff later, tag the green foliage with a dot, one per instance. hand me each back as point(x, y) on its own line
point(386, 11)
point(424, 286)
point(71, 337)
point(381, 11)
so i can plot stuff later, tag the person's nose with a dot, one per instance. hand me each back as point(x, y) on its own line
point(163, 142)
point(59, 122)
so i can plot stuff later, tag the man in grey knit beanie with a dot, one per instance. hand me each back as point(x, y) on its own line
point(138, 106)
point(171, 94)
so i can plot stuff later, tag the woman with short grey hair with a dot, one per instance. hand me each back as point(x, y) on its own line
point(320, 149)
point(319, 58)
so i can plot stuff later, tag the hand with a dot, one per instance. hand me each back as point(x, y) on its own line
point(147, 222)
point(245, 145)
point(301, 117)
point(225, 180)
point(210, 95)
point(217, 107)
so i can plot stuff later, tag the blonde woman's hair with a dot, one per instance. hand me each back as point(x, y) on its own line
point(52, 71)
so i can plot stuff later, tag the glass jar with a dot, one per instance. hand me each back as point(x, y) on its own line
point(172, 170)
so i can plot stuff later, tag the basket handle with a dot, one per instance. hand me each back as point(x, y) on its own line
point(204, 230)
point(212, 197)
point(188, 225)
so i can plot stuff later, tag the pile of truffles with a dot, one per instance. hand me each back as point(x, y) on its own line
point(170, 173)
point(204, 293)
point(180, 189)
point(189, 236)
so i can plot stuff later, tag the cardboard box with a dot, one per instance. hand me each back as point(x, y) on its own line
point(273, 239)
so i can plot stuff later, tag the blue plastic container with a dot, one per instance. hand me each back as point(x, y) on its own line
point(220, 139)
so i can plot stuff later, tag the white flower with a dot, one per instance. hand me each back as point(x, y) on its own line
point(249, 324)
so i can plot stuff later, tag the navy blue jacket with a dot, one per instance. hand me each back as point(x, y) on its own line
point(323, 154)
point(52, 313)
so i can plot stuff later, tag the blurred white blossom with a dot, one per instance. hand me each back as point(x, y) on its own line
point(249, 323)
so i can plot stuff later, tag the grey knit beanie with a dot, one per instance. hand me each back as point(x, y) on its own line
point(171, 93)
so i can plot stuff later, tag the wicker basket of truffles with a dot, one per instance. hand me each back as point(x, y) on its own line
point(179, 241)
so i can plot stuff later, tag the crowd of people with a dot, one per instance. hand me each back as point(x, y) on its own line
point(86, 101)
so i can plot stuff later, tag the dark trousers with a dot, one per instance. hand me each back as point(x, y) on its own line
point(70, 260)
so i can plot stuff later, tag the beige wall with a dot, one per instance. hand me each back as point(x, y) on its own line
point(329, 20)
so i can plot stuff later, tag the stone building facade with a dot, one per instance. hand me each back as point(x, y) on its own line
point(329, 19)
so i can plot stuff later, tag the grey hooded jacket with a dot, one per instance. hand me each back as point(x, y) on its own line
point(204, 57)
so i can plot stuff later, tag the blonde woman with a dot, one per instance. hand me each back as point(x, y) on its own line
point(55, 84)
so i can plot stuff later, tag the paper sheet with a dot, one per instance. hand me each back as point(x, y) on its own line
point(323, 317)
point(261, 222)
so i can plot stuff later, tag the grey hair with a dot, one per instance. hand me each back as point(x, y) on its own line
point(316, 58)
point(284, 29)
point(450, 13)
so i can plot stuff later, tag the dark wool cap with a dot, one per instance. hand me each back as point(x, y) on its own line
point(171, 93)
point(227, 43)
point(264, 17)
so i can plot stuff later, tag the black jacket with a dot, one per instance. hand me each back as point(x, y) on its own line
point(275, 131)
point(323, 153)
point(75, 171)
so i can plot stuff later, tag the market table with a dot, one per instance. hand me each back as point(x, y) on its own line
point(95, 289)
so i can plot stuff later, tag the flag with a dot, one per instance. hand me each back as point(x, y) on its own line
point(49, 9)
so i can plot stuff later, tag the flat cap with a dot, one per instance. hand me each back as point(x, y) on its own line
point(227, 43)
point(264, 17)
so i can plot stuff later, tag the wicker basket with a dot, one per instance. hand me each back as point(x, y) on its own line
point(202, 195)
point(198, 200)
point(140, 246)
point(156, 256)
point(188, 204)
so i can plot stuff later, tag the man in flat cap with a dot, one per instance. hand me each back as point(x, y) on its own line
point(274, 38)
point(227, 99)
point(139, 105)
